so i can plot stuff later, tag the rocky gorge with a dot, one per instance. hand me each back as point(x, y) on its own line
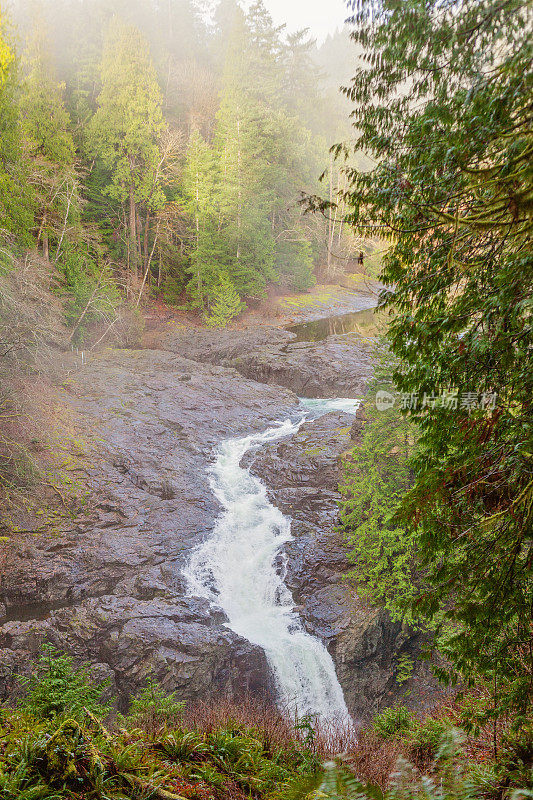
point(107, 583)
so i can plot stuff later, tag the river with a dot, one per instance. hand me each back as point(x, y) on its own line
point(240, 568)
point(168, 432)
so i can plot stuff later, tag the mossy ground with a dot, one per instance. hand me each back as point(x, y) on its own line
point(71, 760)
point(54, 746)
point(323, 297)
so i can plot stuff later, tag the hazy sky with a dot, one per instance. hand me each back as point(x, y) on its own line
point(321, 16)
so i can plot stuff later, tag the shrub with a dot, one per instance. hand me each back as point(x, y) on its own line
point(393, 721)
point(154, 708)
point(516, 757)
point(226, 306)
point(450, 780)
point(425, 738)
point(56, 688)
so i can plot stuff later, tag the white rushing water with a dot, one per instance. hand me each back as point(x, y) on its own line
point(241, 569)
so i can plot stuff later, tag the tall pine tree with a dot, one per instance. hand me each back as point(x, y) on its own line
point(124, 135)
point(16, 214)
point(201, 186)
point(46, 127)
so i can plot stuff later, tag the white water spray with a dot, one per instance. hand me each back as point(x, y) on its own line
point(241, 569)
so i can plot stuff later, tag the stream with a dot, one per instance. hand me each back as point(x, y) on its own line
point(170, 432)
point(365, 323)
point(241, 569)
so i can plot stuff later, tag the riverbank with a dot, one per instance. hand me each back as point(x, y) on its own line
point(106, 583)
point(279, 310)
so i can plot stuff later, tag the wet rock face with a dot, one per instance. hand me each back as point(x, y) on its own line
point(339, 366)
point(303, 475)
point(109, 588)
point(179, 642)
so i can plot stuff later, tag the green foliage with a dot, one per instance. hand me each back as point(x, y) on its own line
point(422, 738)
point(183, 150)
point(516, 756)
point(16, 198)
point(393, 721)
point(376, 476)
point(70, 757)
point(91, 293)
point(227, 304)
point(241, 757)
point(57, 688)
point(124, 131)
point(45, 121)
point(200, 182)
point(154, 708)
point(6, 54)
point(451, 190)
point(241, 190)
point(294, 261)
point(51, 756)
point(425, 737)
point(53, 747)
point(124, 134)
point(405, 668)
point(49, 146)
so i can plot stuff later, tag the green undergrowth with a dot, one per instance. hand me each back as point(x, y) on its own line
point(66, 758)
point(60, 742)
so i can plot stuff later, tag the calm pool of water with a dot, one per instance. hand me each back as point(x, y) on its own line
point(367, 323)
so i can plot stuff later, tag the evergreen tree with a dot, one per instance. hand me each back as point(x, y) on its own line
point(45, 121)
point(94, 104)
point(201, 186)
point(265, 73)
point(16, 212)
point(46, 127)
point(451, 187)
point(227, 304)
point(125, 132)
point(264, 152)
point(243, 146)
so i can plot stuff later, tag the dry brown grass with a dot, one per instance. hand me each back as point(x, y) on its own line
point(374, 758)
point(35, 357)
point(273, 728)
point(31, 326)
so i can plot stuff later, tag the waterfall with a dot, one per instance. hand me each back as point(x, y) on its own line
point(241, 568)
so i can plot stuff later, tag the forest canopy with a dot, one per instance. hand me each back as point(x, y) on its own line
point(443, 107)
point(162, 149)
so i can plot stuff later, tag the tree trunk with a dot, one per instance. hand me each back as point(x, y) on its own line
point(46, 247)
point(146, 237)
point(239, 185)
point(139, 245)
point(133, 231)
point(147, 266)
